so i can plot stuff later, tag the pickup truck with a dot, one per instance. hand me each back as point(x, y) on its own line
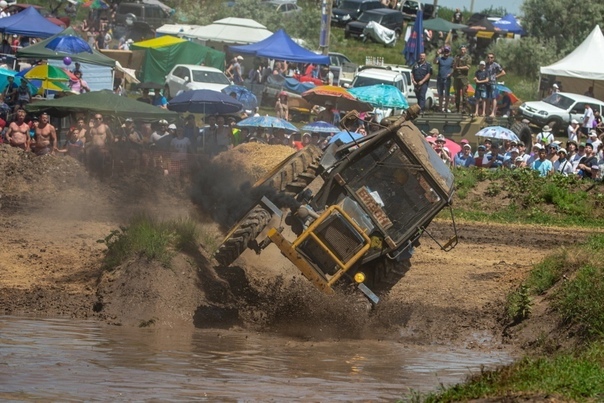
point(399, 76)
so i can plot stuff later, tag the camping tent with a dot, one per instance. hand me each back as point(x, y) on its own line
point(509, 23)
point(97, 68)
point(441, 25)
point(104, 102)
point(280, 46)
point(583, 67)
point(482, 28)
point(40, 51)
point(29, 22)
point(232, 31)
point(175, 29)
point(163, 53)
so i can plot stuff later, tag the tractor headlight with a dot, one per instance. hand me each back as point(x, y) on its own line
point(359, 277)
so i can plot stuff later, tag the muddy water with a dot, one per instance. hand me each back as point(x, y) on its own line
point(67, 360)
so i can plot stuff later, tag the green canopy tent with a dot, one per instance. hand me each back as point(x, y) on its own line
point(441, 25)
point(40, 51)
point(104, 102)
point(163, 53)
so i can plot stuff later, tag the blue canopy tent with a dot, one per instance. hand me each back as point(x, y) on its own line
point(509, 23)
point(30, 23)
point(280, 46)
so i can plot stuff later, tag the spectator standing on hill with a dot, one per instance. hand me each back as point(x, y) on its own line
point(457, 17)
point(542, 164)
point(563, 165)
point(494, 71)
point(443, 79)
point(420, 76)
point(17, 134)
point(587, 162)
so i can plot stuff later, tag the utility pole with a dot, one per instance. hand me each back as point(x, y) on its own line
point(472, 7)
point(326, 6)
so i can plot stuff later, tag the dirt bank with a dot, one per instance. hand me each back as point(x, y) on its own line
point(50, 264)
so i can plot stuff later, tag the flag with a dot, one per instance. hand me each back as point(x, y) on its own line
point(415, 43)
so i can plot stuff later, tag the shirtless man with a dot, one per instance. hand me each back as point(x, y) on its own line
point(45, 136)
point(100, 138)
point(17, 134)
point(100, 133)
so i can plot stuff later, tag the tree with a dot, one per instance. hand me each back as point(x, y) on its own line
point(566, 23)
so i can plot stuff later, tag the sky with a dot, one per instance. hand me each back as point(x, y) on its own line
point(513, 6)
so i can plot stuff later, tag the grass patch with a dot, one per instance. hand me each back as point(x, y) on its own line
point(149, 238)
point(576, 276)
point(575, 377)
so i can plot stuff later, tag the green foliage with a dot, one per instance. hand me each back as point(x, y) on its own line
point(494, 11)
point(547, 272)
point(519, 304)
point(146, 237)
point(565, 24)
point(581, 300)
point(524, 57)
point(465, 180)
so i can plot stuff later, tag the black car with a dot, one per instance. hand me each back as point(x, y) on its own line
point(350, 10)
point(391, 19)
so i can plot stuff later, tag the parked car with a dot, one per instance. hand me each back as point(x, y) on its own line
point(193, 77)
point(350, 10)
point(409, 8)
point(139, 20)
point(558, 109)
point(284, 7)
point(391, 19)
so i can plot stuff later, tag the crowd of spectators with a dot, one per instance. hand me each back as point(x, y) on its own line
point(548, 156)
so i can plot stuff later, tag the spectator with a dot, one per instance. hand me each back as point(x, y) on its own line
point(464, 158)
point(79, 85)
point(563, 165)
point(443, 79)
point(74, 146)
point(22, 96)
point(281, 108)
point(234, 71)
point(494, 71)
point(480, 159)
point(223, 134)
point(17, 134)
point(545, 137)
point(161, 136)
point(180, 147)
point(505, 104)
point(145, 97)
point(509, 158)
point(420, 76)
point(518, 163)
point(588, 120)
point(542, 164)
point(584, 169)
point(10, 91)
point(552, 152)
point(191, 130)
point(481, 79)
point(577, 156)
point(522, 152)
point(593, 139)
point(535, 154)
point(572, 130)
point(442, 150)
point(45, 136)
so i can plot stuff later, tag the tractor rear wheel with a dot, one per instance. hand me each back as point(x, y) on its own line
point(524, 133)
point(289, 178)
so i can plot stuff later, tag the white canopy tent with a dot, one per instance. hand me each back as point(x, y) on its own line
point(230, 31)
point(583, 67)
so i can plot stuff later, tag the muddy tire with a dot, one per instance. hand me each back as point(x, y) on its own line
point(385, 274)
point(288, 178)
point(245, 231)
point(524, 133)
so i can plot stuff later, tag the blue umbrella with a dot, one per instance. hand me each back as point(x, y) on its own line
point(346, 137)
point(320, 127)
point(381, 96)
point(243, 95)
point(69, 44)
point(204, 101)
point(268, 122)
point(415, 43)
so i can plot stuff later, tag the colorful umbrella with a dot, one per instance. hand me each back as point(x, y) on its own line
point(381, 96)
point(338, 96)
point(268, 122)
point(204, 101)
point(46, 72)
point(497, 132)
point(69, 44)
point(48, 85)
point(96, 4)
point(320, 127)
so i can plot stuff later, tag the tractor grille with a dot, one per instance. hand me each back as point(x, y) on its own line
point(339, 237)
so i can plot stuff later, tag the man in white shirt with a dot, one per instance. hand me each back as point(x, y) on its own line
point(588, 120)
point(545, 137)
point(572, 130)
